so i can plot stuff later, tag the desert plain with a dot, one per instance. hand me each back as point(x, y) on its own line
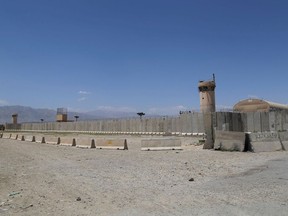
point(46, 179)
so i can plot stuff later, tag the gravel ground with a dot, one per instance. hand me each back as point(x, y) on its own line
point(43, 179)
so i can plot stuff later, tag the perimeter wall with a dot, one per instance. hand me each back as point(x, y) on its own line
point(185, 123)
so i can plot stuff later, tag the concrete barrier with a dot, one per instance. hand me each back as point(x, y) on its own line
point(264, 142)
point(52, 140)
point(229, 141)
point(85, 143)
point(21, 137)
point(67, 141)
point(30, 138)
point(14, 136)
point(283, 135)
point(118, 144)
point(40, 139)
point(161, 144)
point(6, 135)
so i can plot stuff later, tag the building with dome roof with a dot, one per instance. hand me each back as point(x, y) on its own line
point(258, 105)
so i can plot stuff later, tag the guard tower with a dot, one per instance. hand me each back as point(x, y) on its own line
point(62, 115)
point(207, 95)
point(15, 118)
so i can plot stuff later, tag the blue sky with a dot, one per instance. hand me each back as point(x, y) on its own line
point(138, 55)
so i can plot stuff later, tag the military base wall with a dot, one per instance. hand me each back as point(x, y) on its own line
point(256, 132)
point(184, 123)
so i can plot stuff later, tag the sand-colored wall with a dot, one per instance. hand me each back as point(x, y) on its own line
point(185, 123)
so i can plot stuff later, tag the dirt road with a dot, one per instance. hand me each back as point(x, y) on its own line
point(43, 179)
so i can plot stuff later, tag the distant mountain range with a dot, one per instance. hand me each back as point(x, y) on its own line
point(29, 114)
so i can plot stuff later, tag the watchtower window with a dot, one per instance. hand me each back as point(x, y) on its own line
point(206, 88)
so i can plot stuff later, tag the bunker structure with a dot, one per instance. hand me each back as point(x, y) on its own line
point(258, 105)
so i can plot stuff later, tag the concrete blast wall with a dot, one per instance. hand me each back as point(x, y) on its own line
point(185, 123)
point(265, 121)
point(228, 121)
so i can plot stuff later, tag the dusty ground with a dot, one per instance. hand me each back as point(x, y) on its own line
point(43, 179)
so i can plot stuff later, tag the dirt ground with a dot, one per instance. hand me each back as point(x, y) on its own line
point(43, 179)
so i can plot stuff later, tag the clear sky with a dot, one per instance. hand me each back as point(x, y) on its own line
point(141, 55)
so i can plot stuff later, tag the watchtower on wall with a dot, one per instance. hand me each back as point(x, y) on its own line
point(62, 115)
point(15, 118)
point(207, 95)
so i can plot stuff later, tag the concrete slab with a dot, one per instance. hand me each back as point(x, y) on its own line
point(14, 136)
point(265, 121)
point(257, 121)
point(21, 137)
point(264, 141)
point(84, 142)
point(40, 139)
point(30, 138)
point(67, 141)
point(52, 140)
point(6, 135)
point(229, 141)
point(117, 144)
point(283, 135)
point(161, 144)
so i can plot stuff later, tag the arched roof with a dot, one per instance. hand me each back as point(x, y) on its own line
point(254, 105)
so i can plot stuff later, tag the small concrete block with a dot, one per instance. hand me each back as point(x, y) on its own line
point(85, 143)
point(14, 136)
point(40, 139)
point(67, 141)
point(30, 138)
point(52, 140)
point(229, 141)
point(160, 144)
point(21, 137)
point(118, 144)
point(6, 135)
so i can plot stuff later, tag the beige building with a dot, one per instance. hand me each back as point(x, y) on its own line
point(258, 105)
